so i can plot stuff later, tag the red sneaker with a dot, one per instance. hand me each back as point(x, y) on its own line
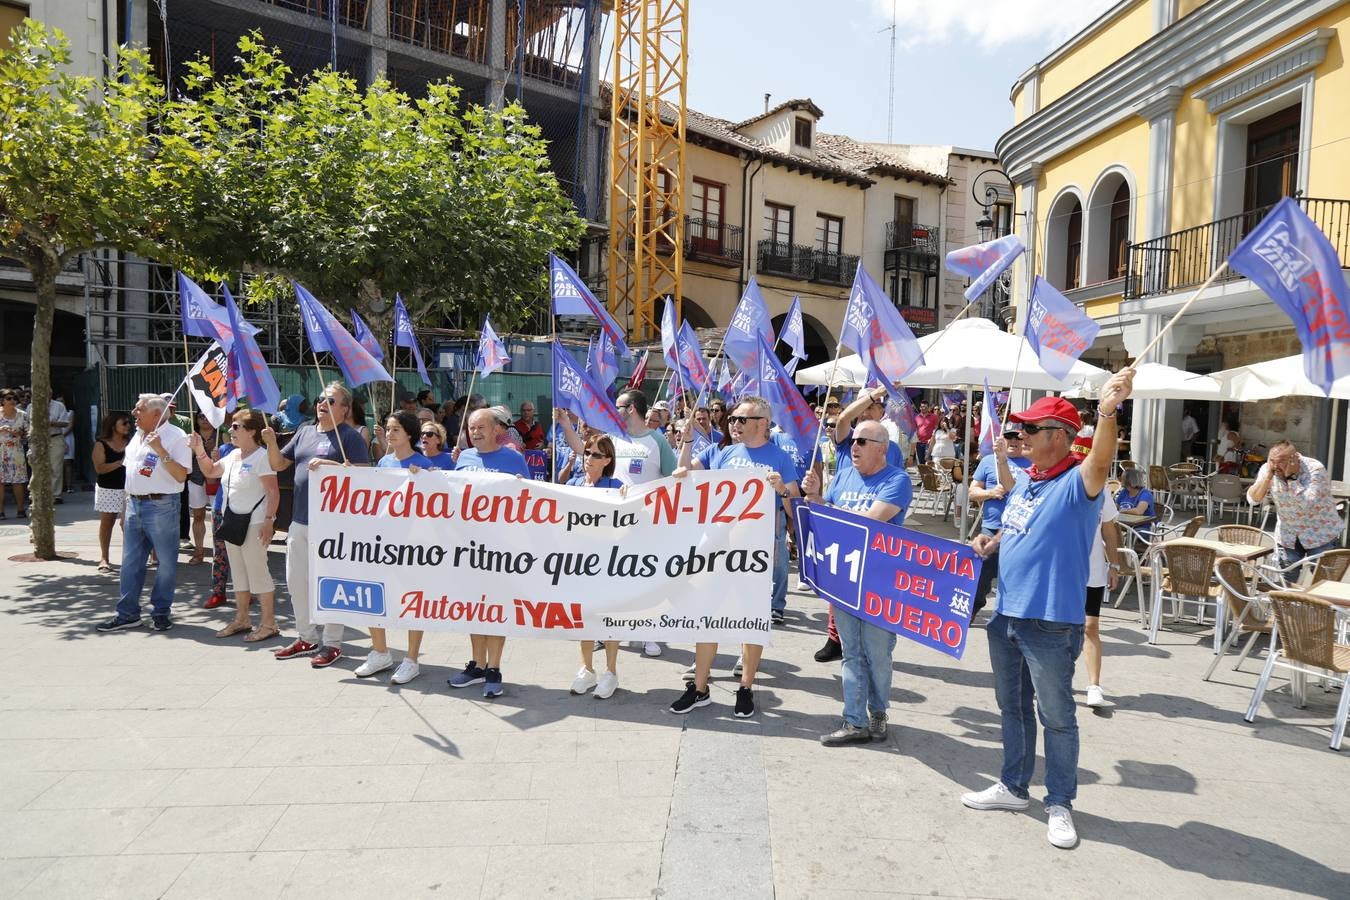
point(214, 601)
point(296, 648)
point(326, 657)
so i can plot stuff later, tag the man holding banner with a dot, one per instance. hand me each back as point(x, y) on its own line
point(1036, 633)
point(873, 488)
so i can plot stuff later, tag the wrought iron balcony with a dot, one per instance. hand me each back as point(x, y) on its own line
point(786, 260)
point(834, 268)
point(713, 242)
point(906, 234)
point(1186, 258)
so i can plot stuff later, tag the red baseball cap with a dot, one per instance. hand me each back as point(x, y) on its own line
point(1056, 408)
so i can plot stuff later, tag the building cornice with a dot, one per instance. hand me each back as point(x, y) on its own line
point(1292, 59)
point(1160, 104)
point(1215, 35)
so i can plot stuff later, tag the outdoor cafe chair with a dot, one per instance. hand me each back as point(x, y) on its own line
point(1227, 490)
point(1245, 534)
point(1248, 611)
point(934, 488)
point(1182, 575)
point(1329, 565)
point(1158, 483)
point(1183, 483)
point(1303, 641)
point(1130, 568)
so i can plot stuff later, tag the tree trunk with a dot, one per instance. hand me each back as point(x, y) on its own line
point(43, 270)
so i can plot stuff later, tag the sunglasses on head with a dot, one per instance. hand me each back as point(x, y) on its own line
point(741, 420)
point(1030, 428)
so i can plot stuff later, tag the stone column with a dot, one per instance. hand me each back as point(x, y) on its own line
point(496, 55)
point(377, 62)
point(1160, 113)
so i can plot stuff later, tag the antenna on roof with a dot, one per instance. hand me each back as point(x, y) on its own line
point(890, 103)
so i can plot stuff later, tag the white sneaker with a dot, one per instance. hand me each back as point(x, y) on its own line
point(375, 663)
point(406, 671)
point(996, 796)
point(737, 669)
point(1095, 697)
point(651, 648)
point(1061, 832)
point(606, 685)
point(584, 681)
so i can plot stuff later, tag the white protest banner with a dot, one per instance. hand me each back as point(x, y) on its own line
point(680, 560)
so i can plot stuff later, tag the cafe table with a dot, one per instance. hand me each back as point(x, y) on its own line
point(1244, 552)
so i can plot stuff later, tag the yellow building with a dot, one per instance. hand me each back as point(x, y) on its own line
point(1145, 147)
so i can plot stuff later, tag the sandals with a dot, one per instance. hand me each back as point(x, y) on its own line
point(197, 559)
point(105, 568)
point(234, 628)
point(261, 634)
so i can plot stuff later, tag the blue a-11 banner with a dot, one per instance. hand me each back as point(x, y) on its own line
point(907, 582)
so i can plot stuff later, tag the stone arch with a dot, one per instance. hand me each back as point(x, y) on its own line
point(1103, 258)
point(818, 344)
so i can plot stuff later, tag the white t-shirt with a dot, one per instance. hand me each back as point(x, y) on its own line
point(145, 473)
point(242, 482)
point(941, 446)
point(637, 460)
point(1097, 568)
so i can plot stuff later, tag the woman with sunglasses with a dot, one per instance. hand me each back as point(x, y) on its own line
point(597, 471)
point(399, 430)
point(110, 499)
point(13, 467)
point(251, 490)
point(433, 447)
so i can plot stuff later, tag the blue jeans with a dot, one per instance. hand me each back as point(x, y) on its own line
point(780, 570)
point(1291, 555)
point(867, 667)
point(988, 572)
point(1033, 658)
point(150, 525)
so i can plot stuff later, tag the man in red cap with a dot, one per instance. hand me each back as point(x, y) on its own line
point(1045, 548)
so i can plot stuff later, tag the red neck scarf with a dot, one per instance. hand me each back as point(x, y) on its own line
point(1059, 468)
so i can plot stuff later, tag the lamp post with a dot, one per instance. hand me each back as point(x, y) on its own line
point(998, 309)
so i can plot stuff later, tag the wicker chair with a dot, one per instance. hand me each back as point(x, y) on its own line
point(1245, 534)
point(1248, 613)
point(1304, 642)
point(1185, 580)
point(1332, 566)
point(934, 487)
point(1158, 483)
point(1130, 569)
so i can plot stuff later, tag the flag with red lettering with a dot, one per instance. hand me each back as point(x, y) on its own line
point(247, 365)
point(985, 262)
point(989, 426)
point(326, 333)
point(1056, 329)
point(367, 339)
point(571, 297)
point(404, 336)
point(574, 390)
point(639, 373)
point(875, 330)
point(790, 410)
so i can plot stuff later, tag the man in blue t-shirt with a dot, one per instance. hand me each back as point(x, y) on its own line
point(878, 491)
point(486, 428)
point(870, 406)
point(313, 445)
point(749, 427)
point(985, 489)
point(1036, 633)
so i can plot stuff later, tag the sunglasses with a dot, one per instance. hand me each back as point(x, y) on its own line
point(863, 440)
point(590, 454)
point(1029, 428)
point(623, 407)
point(741, 420)
point(431, 434)
point(235, 425)
point(326, 400)
point(829, 424)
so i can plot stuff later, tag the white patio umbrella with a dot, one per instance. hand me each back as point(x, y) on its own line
point(1275, 378)
point(1159, 382)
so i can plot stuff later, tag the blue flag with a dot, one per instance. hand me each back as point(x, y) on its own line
point(794, 332)
point(203, 317)
point(248, 368)
point(574, 390)
point(1291, 260)
point(989, 426)
point(749, 323)
point(571, 297)
point(744, 383)
point(606, 360)
point(949, 399)
point(875, 330)
point(326, 333)
point(790, 409)
point(690, 356)
point(404, 336)
point(1057, 330)
point(364, 336)
point(491, 351)
point(668, 332)
point(985, 262)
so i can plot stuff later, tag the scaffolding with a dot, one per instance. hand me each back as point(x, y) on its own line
point(647, 160)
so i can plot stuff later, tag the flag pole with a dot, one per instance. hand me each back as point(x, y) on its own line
point(829, 388)
point(464, 419)
point(187, 366)
point(553, 388)
point(1179, 313)
point(336, 424)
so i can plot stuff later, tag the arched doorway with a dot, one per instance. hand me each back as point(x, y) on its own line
point(819, 348)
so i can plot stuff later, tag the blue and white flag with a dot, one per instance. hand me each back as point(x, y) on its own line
point(794, 331)
point(404, 336)
point(491, 351)
point(985, 262)
point(989, 425)
point(749, 323)
point(1291, 260)
point(875, 330)
point(790, 410)
point(668, 332)
point(248, 368)
point(1056, 329)
point(326, 333)
point(366, 338)
point(571, 297)
point(690, 358)
point(203, 317)
point(574, 390)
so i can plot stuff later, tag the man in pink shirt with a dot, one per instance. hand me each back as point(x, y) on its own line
point(925, 423)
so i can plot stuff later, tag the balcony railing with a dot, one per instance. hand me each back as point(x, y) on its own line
point(834, 268)
point(806, 263)
point(1186, 258)
point(352, 13)
point(714, 242)
point(906, 234)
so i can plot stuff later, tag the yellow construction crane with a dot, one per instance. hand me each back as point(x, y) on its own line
point(646, 164)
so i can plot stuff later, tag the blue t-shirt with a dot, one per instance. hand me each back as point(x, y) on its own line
point(311, 443)
point(856, 493)
point(1124, 500)
point(986, 476)
point(1045, 556)
point(707, 455)
point(789, 446)
point(606, 481)
point(844, 455)
point(390, 461)
point(443, 461)
point(562, 455)
point(770, 456)
point(503, 459)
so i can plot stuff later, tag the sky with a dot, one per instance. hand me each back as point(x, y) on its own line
point(955, 61)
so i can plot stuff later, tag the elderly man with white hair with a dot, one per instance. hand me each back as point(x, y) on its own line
point(157, 461)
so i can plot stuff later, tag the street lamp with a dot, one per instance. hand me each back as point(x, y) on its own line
point(998, 305)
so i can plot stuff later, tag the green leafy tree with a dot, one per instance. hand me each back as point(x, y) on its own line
point(77, 171)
